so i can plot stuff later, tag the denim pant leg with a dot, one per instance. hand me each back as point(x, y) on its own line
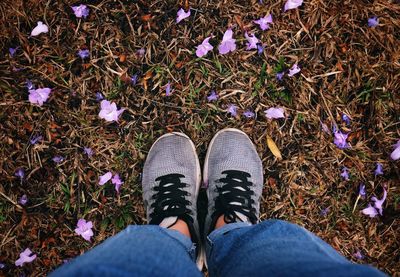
point(137, 251)
point(276, 248)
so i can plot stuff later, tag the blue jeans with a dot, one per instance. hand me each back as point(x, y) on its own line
point(270, 248)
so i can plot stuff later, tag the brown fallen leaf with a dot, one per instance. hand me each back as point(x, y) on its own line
point(27, 126)
point(272, 182)
point(147, 76)
point(146, 17)
point(122, 58)
point(239, 21)
point(274, 149)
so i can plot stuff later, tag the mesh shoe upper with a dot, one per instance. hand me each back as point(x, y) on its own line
point(234, 173)
point(171, 181)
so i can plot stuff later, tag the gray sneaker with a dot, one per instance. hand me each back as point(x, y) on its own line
point(171, 181)
point(234, 174)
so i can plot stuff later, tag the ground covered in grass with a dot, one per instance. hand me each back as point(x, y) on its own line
point(54, 154)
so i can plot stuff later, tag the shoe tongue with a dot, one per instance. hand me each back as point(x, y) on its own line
point(168, 221)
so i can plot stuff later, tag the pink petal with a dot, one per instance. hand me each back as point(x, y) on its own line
point(203, 48)
point(252, 41)
point(109, 111)
point(104, 104)
point(118, 113)
point(116, 180)
point(39, 96)
point(228, 44)
point(274, 113)
point(370, 211)
point(87, 234)
point(292, 4)
point(263, 22)
point(227, 35)
point(182, 15)
point(25, 257)
point(84, 229)
point(40, 28)
point(379, 202)
point(395, 155)
point(105, 178)
point(294, 70)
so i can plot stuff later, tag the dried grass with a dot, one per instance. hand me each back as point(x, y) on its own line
point(346, 68)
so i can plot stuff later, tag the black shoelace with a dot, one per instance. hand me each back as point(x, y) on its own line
point(170, 199)
point(234, 195)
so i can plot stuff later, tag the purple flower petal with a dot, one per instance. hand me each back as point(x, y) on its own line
point(30, 85)
point(228, 43)
point(274, 113)
point(35, 139)
point(334, 128)
point(84, 53)
point(340, 140)
point(260, 48)
point(249, 114)
point(58, 159)
point(361, 191)
point(13, 51)
point(80, 11)
point(213, 96)
point(395, 155)
point(379, 169)
point(373, 21)
point(25, 257)
point(279, 76)
point(116, 180)
point(345, 173)
point(134, 79)
point(370, 211)
point(203, 48)
point(20, 173)
point(378, 203)
point(324, 212)
point(99, 96)
point(251, 41)
point(168, 90)
point(182, 15)
point(84, 229)
point(292, 4)
point(232, 109)
point(294, 70)
point(105, 178)
point(264, 22)
point(39, 96)
point(346, 119)
point(109, 111)
point(358, 255)
point(140, 53)
point(23, 200)
point(40, 28)
point(88, 151)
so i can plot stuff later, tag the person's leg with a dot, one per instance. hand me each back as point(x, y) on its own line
point(236, 244)
point(171, 181)
point(137, 251)
point(276, 248)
